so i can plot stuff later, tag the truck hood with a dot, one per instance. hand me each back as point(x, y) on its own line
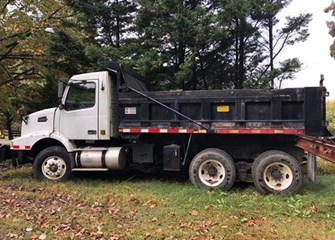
point(41, 121)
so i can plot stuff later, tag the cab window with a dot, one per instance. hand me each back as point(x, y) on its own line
point(80, 96)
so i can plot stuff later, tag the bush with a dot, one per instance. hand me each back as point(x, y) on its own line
point(330, 109)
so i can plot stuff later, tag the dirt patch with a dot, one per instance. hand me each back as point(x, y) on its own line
point(6, 165)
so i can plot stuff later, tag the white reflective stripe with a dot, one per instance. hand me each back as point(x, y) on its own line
point(155, 130)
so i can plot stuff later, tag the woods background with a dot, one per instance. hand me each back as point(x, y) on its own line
point(175, 44)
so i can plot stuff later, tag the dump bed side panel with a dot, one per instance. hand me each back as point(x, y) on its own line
point(302, 109)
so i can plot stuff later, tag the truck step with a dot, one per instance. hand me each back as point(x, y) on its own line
point(90, 169)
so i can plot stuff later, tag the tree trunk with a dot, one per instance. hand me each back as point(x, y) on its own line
point(118, 30)
point(9, 121)
point(241, 69)
point(271, 49)
point(236, 67)
point(203, 75)
point(180, 59)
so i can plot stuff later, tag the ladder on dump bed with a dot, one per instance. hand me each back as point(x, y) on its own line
point(321, 147)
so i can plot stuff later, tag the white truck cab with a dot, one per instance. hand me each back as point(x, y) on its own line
point(84, 114)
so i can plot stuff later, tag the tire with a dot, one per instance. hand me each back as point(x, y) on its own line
point(52, 163)
point(212, 169)
point(277, 172)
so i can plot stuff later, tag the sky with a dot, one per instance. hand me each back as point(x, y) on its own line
point(314, 53)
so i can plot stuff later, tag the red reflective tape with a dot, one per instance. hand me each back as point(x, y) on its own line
point(135, 130)
point(244, 131)
point(27, 147)
point(267, 131)
point(222, 131)
point(154, 130)
point(301, 132)
point(293, 131)
point(16, 147)
point(173, 130)
point(261, 131)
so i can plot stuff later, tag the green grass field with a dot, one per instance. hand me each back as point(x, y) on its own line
point(144, 207)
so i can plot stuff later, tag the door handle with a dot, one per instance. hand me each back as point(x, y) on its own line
point(92, 132)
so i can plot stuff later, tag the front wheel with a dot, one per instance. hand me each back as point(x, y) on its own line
point(52, 163)
point(277, 172)
point(212, 169)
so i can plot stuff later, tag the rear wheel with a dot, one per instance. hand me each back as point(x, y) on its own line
point(52, 163)
point(277, 172)
point(212, 169)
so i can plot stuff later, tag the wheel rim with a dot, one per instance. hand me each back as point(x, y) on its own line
point(53, 167)
point(212, 173)
point(278, 176)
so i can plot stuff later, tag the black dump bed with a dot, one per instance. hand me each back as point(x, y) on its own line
point(293, 110)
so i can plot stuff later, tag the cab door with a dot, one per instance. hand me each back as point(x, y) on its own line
point(79, 116)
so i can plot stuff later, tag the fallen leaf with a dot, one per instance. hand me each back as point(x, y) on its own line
point(209, 223)
point(13, 235)
point(313, 209)
point(194, 213)
point(151, 204)
point(185, 225)
point(113, 210)
point(34, 237)
point(99, 232)
point(42, 237)
point(254, 222)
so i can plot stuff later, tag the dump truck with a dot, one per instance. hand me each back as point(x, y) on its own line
point(110, 121)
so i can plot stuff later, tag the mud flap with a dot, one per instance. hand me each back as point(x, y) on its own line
point(4, 152)
point(311, 167)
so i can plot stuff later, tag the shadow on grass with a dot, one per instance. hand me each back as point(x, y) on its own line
point(323, 185)
point(130, 176)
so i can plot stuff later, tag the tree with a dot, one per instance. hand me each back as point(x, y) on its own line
point(243, 34)
point(331, 116)
point(331, 26)
point(109, 22)
point(174, 38)
point(273, 40)
point(217, 44)
point(23, 41)
point(23, 37)
point(13, 97)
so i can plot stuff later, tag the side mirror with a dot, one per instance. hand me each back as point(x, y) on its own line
point(23, 114)
point(61, 87)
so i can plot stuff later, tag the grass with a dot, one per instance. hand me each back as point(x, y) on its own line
point(108, 207)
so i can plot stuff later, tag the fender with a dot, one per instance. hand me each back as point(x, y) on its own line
point(27, 142)
point(68, 144)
